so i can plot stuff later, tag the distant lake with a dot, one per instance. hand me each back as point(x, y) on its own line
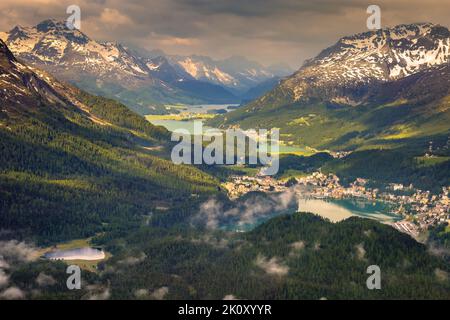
point(88, 254)
point(173, 125)
point(204, 108)
point(338, 210)
point(334, 210)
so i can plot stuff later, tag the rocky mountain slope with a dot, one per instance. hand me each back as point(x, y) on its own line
point(358, 61)
point(106, 68)
point(161, 68)
point(238, 74)
point(142, 80)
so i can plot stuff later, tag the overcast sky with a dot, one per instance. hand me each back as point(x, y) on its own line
point(267, 31)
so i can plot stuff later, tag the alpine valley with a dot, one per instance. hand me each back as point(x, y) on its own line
point(81, 170)
point(380, 98)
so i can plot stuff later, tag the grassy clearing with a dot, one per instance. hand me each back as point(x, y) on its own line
point(401, 132)
point(292, 173)
point(300, 121)
point(305, 153)
point(180, 116)
point(396, 103)
point(430, 161)
point(243, 169)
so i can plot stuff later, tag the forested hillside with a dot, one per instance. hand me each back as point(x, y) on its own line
point(72, 164)
point(298, 256)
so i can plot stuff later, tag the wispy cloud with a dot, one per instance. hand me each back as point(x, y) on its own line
point(12, 293)
point(213, 211)
point(133, 260)
point(44, 280)
point(272, 266)
point(104, 295)
point(12, 254)
point(160, 293)
point(14, 250)
point(4, 279)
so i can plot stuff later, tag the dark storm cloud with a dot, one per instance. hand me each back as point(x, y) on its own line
point(269, 31)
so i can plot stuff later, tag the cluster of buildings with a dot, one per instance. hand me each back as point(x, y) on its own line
point(340, 154)
point(240, 185)
point(420, 209)
point(328, 186)
point(430, 210)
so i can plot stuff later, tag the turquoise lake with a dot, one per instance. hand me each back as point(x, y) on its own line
point(333, 210)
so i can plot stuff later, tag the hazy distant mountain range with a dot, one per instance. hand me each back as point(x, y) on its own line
point(377, 86)
point(236, 73)
point(137, 78)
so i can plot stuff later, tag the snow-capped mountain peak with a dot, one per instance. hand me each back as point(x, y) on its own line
point(236, 73)
point(135, 78)
point(378, 56)
point(205, 70)
point(51, 42)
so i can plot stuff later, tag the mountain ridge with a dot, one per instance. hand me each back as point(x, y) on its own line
point(142, 82)
point(378, 56)
point(333, 96)
point(236, 73)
